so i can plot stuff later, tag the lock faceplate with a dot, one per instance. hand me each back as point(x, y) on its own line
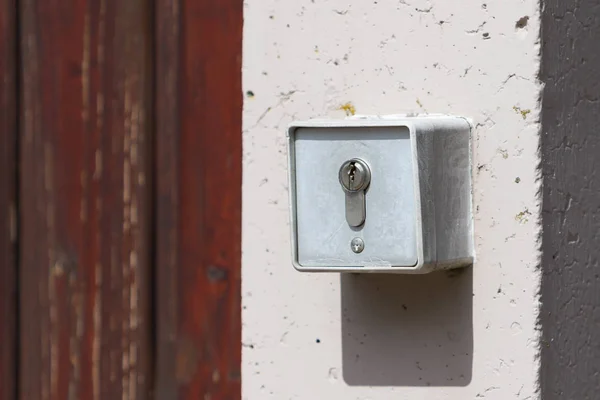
point(323, 232)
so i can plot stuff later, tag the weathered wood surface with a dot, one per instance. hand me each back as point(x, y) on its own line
point(199, 165)
point(8, 149)
point(85, 199)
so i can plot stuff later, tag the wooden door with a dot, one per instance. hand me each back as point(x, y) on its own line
point(120, 199)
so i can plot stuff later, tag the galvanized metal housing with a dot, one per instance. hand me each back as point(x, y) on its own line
point(440, 155)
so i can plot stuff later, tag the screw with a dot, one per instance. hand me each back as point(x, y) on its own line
point(357, 245)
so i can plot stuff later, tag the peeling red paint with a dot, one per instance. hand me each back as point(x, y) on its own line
point(85, 241)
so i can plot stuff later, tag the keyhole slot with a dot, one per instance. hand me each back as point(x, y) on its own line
point(351, 174)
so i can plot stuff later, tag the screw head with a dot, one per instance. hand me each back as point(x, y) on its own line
point(357, 245)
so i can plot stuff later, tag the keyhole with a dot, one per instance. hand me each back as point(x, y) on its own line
point(351, 175)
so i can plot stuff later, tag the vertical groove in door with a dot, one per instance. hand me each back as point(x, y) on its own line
point(8, 206)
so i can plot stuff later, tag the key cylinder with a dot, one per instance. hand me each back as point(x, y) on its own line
point(355, 177)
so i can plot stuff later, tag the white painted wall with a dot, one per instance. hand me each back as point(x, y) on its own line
point(442, 336)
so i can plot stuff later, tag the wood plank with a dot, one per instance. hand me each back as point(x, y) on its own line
point(199, 167)
point(8, 150)
point(85, 199)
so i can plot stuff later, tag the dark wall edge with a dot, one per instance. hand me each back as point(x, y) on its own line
point(570, 151)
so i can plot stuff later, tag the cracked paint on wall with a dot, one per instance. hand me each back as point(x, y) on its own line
point(445, 336)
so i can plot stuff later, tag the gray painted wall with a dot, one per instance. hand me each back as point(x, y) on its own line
point(570, 317)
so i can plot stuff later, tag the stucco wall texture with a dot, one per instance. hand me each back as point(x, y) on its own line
point(570, 314)
point(464, 334)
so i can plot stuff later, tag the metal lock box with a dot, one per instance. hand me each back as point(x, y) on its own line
point(381, 194)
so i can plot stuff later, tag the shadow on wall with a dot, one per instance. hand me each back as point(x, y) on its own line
point(408, 330)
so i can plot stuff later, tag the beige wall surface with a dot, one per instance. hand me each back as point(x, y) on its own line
point(455, 335)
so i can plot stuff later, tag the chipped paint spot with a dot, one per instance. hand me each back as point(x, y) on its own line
point(522, 22)
point(333, 375)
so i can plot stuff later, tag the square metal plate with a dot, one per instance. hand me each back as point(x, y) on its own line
point(323, 236)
